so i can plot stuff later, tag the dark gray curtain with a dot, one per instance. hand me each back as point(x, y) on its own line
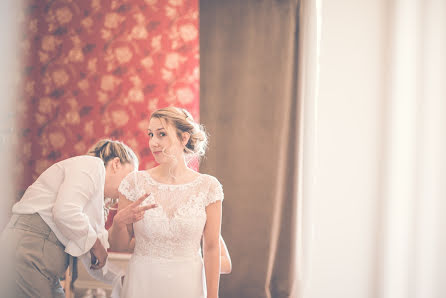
point(249, 105)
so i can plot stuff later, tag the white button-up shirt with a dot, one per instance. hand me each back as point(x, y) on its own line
point(69, 196)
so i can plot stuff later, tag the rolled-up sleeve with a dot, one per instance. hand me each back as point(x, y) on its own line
point(81, 183)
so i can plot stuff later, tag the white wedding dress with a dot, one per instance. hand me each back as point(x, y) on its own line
point(167, 260)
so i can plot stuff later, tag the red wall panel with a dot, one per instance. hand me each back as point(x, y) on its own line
point(98, 69)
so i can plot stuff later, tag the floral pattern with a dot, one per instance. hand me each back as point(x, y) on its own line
point(95, 68)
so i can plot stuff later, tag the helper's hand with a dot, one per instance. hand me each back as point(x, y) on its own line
point(98, 255)
point(133, 212)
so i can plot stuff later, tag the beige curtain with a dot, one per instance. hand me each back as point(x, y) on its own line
point(250, 107)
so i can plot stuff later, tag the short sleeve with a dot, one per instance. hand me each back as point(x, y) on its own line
point(215, 192)
point(132, 186)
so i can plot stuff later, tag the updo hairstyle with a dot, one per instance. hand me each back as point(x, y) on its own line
point(183, 121)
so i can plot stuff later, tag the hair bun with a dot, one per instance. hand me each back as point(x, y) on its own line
point(198, 140)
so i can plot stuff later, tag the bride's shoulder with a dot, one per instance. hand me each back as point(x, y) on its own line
point(132, 186)
point(211, 180)
point(136, 177)
point(135, 174)
point(214, 189)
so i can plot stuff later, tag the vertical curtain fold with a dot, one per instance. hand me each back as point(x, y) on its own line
point(413, 263)
point(249, 105)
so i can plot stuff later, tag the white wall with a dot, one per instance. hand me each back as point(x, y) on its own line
point(9, 76)
point(374, 163)
point(9, 33)
point(348, 126)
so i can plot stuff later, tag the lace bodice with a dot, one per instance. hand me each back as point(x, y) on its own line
point(173, 230)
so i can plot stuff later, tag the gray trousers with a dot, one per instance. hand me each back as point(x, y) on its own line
point(33, 259)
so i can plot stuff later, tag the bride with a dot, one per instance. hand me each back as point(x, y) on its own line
point(167, 260)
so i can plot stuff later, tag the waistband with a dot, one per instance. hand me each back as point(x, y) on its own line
point(151, 259)
point(35, 224)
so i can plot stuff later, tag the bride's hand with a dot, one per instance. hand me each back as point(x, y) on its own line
point(133, 212)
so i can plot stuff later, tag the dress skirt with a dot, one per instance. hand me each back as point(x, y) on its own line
point(154, 278)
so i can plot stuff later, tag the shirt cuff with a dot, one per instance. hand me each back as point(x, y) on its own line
point(83, 245)
point(103, 237)
point(109, 274)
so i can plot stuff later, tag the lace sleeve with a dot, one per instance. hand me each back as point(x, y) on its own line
point(215, 192)
point(131, 186)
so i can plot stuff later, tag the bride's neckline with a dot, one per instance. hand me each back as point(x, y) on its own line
point(169, 184)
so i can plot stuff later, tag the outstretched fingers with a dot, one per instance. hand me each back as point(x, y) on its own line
point(146, 207)
point(138, 211)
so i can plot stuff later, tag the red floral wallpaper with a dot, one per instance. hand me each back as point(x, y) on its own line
point(98, 68)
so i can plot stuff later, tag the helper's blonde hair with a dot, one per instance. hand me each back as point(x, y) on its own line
point(107, 149)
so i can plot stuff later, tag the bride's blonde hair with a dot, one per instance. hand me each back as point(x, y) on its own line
point(183, 121)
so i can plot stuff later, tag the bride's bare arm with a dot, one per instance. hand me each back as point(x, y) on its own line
point(211, 248)
point(121, 232)
point(225, 258)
